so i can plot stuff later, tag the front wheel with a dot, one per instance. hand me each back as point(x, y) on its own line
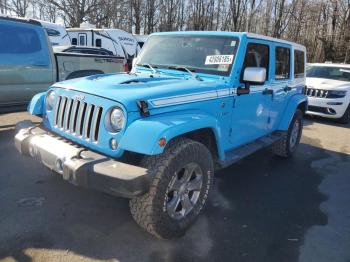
point(287, 145)
point(182, 177)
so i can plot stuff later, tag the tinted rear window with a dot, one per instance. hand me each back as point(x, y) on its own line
point(282, 67)
point(299, 64)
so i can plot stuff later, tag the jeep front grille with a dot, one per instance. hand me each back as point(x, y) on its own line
point(78, 118)
point(313, 92)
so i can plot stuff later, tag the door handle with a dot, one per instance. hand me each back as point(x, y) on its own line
point(267, 91)
point(287, 88)
point(243, 90)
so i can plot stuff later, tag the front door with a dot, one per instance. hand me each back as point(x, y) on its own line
point(250, 116)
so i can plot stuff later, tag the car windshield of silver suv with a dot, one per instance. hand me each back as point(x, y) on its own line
point(329, 72)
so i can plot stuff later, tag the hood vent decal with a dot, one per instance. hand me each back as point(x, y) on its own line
point(132, 82)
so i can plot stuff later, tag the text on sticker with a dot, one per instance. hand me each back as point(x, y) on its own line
point(219, 59)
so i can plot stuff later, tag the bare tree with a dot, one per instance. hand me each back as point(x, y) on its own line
point(323, 26)
point(18, 7)
point(3, 6)
point(76, 11)
point(346, 29)
point(150, 16)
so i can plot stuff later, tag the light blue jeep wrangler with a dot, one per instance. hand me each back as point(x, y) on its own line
point(195, 102)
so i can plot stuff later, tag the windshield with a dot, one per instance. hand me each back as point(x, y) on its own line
point(200, 54)
point(329, 72)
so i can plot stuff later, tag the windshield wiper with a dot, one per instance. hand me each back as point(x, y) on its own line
point(184, 68)
point(152, 67)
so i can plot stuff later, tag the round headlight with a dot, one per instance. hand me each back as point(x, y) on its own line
point(117, 119)
point(50, 100)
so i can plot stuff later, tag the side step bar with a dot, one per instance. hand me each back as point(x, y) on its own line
point(237, 154)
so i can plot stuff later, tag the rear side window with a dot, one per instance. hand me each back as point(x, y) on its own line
point(257, 55)
point(282, 66)
point(299, 64)
point(52, 32)
point(74, 41)
point(23, 44)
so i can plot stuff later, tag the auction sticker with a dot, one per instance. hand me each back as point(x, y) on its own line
point(219, 59)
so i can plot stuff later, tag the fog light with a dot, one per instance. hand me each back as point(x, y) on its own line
point(114, 144)
point(59, 166)
point(331, 111)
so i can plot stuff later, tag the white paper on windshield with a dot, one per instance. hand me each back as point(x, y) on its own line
point(345, 70)
point(219, 59)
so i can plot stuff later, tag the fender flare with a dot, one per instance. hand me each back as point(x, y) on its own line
point(289, 111)
point(36, 105)
point(142, 135)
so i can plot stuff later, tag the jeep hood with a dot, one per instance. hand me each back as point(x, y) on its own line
point(326, 84)
point(128, 88)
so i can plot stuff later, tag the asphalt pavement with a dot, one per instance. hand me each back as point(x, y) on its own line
point(261, 209)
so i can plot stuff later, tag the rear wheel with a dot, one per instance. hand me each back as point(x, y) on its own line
point(345, 119)
point(182, 177)
point(287, 145)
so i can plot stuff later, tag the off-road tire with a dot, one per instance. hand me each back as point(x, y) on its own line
point(283, 147)
point(149, 210)
point(345, 119)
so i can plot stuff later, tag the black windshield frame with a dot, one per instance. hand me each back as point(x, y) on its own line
point(193, 68)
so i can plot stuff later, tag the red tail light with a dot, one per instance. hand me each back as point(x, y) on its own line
point(126, 67)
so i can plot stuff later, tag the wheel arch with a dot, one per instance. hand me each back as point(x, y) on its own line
point(36, 105)
point(207, 137)
point(193, 125)
point(302, 106)
point(298, 101)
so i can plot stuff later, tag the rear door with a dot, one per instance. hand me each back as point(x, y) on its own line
point(25, 61)
point(281, 81)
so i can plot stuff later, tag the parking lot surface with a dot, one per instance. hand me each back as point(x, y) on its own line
point(261, 209)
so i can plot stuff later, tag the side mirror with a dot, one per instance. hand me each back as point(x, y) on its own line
point(254, 75)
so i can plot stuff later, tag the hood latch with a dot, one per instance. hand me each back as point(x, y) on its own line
point(143, 106)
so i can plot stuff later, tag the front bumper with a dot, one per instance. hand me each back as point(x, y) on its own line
point(331, 108)
point(78, 165)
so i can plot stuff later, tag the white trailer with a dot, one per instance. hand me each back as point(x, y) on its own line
point(118, 41)
point(57, 33)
